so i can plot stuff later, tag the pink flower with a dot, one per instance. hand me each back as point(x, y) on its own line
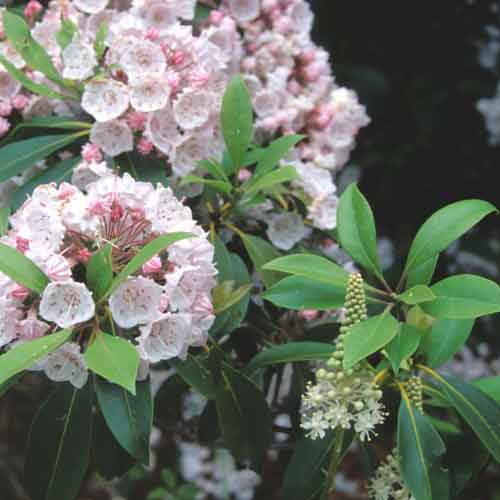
point(215, 17)
point(244, 174)
point(309, 314)
point(66, 191)
point(32, 9)
point(136, 120)
point(20, 101)
point(20, 292)
point(4, 126)
point(144, 146)
point(84, 255)
point(152, 266)
point(5, 108)
point(22, 244)
point(152, 34)
point(91, 153)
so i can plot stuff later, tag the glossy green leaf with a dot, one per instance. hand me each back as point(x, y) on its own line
point(490, 386)
point(296, 292)
point(423, 273)
point(27, 83)
point(480, 411)
point(445, 339)
point(272, 154)
point(65, 35)
point(21, 269)
point(403, 345)
point(19, 156)
point(59, 444)
point(279, 176)
point(110, 459)
point(237, 119)
point(62, 171)
point(214, 169)
point(24, 356)
point(223, 186)
point(4, 220)
point(18, 32)
point(115, 359)
point(244, 416)
point(463, 296)
point(419, 448)
point(261, 252)
point(417, 295)
point(153, 248)
point(234, 297)
point(198, 372)
point(443, 227)
point(291, 352)
point(129, 417)
point(310, 266)
point(367, 337)
point(356, 229)
point(99, 271)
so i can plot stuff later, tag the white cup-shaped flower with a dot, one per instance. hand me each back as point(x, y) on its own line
point(144, 59)
point(244, 10)
point(136, 302)
point(192, 108)
point(113, 137)
point(8, 319)
point(91, 6)
point(67, 303)
point(67, 365)
point(161, 130)
point(150, 95)
point(79, 61)
point(105, 99)
point(285, 230)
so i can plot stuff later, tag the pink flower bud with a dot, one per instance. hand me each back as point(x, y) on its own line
point(327, 243)
point(244, 174)
point(84, 255)
point(251, 48)
point(136, 120)
point(309, 314)
point(66, 191)
point(152, 34)
point(274, 13)
point(311, 72)
point(282, 24)
point(91, 153)
point(5, 108)
point(203, 305)
point(308, 56)
point(20, 292)
point(215, 17)
point(270, 123)
point(22, 244)
point(144, 146)
point(19, 102)
point(4, 126)
point(177, 57)
point(323, 117)
point(116, 211)
point(32, 9)
point(269, 5)
point(152, 266)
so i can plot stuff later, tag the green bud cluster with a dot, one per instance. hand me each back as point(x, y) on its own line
point(414, 389)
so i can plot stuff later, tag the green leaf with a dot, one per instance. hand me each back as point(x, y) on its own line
point(62, 171)
point(99, 271)
point(463, 296)
point(201, 13)
point(446, 338)
point(100, 40)
point(367, 337)
point(114, 359)
point(283, 174)
point(148, 252)
point(65, 35)
point(234, 297)
point(356, 229)
point(18, 33)
point(21, 269)
point(305, 476)
point(25, 355)
point(296, 292)
point(490, 386)
point(27, 83)
point(214, 169)
point(309, 266)
point(403, 345)
point(290, 352)
point(261, 252)
point(19, 156)
point(417, 295)
point(419, 448)
point(4, 220)
point(222, 186)
point(444, 227)
point(244, 416)
point(480, 411)
point(422, 274)
point(198, 372)
point(111, 460)
point(273, 153)
point(129, 418)
point(237, 119)
point(146, 168)
point(59, 444)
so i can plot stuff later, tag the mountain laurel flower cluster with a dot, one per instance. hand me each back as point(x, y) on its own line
point(164, 308)
point(341, 398)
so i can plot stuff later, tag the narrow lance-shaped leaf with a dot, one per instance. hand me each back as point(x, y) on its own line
point(59, 444)
point(19, 156)
point(65, 35)
point(283, 174)
point(234, 298)
point(222, 186)
point(419, 449)
point(99, 271)
point(444, 227)
point(21, 269)
point(198, 372)
point(237, 119)
point(271, 155)
point(114, 359)
point(4, 220)
point(356, 229)
point(403, 345)
point(24, 356)
point(367, 337)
